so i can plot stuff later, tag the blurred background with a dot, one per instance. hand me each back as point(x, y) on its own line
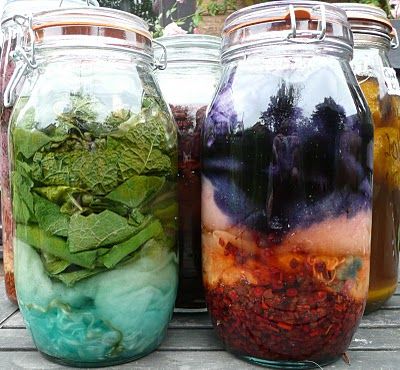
point(168, 17)
point(204, 16)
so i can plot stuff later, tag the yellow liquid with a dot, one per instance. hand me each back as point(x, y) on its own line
point(386, 197)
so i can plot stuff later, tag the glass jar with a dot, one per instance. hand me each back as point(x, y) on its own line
point(286, 187)
point(12, 32)
point(373, 35)
point(188, 84)
point(93, 180)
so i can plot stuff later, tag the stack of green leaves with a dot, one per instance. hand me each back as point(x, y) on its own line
point(87, 195)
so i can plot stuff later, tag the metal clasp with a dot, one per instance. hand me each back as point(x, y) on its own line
point(21, 66)
point(29, 43)
point(161, 63)
point(394, 43)
point(293, 35)
point(23, 56)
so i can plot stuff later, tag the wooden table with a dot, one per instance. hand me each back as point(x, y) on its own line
point(191, 343)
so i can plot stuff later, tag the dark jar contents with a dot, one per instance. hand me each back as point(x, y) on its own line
point(187, 85)
point(286, 197)
point(373, 35)
point(189, 120)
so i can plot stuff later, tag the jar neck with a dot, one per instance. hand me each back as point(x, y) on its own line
point(367, 41)
point(369, 61)
point(47, 55)
point(189, 67)
point(288, 49)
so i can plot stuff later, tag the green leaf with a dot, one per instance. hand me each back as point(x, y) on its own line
point(57, 168)
point(99, 204)
point(52, 264)
point(137, 190)
point(56, 194)
point(71, 278)
point(54, 245)
point(80, 113)
point(115, 118)
point(97, 230)
point(136, 218)
point(22, 198)
point(95, 170)
point(99, 171)
point(72, 206)
point(136, 161)
point(168, 213)
point(28, 142)
point(49, 217)
point(142, 147)
point(164, 206)
point(120, 251)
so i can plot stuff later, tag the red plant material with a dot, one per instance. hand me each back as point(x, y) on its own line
point(6, 210)
point(294, 317)
point(10, 286)
point(7, 68)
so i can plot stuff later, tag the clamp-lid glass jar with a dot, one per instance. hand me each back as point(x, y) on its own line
point(188, 84)
point(287, 187)
point(93, 178)
point(373, 38)
point(13, 32)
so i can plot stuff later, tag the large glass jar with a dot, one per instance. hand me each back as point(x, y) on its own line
point(286, 191)
point(12, 31)
point(93, 181)
point(372, 41)
point(188, 84)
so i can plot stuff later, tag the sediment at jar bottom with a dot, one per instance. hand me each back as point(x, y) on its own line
point(298, 300)
point(114, 316)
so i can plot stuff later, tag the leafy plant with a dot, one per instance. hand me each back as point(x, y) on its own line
point(83, 190)
point(217, 7)
point(141, 8)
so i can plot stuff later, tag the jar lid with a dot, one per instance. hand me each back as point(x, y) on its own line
point(27, 7)
point(91, 28)
point(190, 47)
point(301, 22)
point(369, 20)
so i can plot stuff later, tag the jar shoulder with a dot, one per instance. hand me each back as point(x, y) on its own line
point(94, 91)
point(251, 93)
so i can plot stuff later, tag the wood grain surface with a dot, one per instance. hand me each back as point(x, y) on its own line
point(192, 344)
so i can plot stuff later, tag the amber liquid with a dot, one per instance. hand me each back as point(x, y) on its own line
point(386, 198)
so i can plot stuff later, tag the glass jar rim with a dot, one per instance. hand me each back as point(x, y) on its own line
point(369, 20)
point(96, 16)
point(364, 11)
point(190, 47)
point(29, 7)
point(86, 28)
point(274, 10)
point(301, 22)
